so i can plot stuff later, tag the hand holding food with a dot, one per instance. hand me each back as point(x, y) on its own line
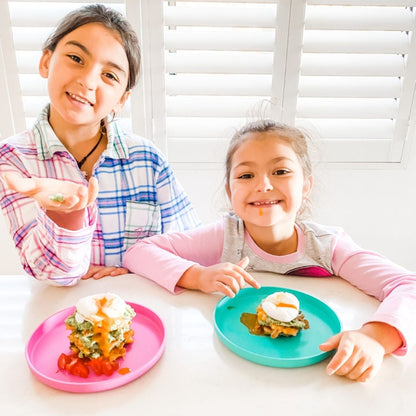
point(54, 194)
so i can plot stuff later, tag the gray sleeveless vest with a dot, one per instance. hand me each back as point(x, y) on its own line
point(315, 260)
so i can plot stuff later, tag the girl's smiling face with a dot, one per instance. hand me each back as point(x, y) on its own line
point(87, 75)
point(267, 185)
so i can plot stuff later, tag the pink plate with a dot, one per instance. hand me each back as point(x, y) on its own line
point(50, 339)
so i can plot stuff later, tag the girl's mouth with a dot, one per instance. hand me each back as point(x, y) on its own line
point(264, 203)
point(79, 99)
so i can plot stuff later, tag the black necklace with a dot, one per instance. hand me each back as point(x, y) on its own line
point(82, 161)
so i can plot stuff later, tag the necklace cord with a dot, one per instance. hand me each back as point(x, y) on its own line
point(83, 160)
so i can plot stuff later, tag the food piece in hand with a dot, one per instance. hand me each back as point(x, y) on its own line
point(100, 327)
point(57, 197)
point(279, 315)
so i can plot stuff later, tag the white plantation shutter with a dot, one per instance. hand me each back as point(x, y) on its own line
point(358, 77)
point(345, 70)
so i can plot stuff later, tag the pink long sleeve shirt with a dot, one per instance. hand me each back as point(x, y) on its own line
point(322, 251)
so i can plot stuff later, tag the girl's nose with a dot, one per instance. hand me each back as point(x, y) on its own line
point(264, 184)
point(88, 80)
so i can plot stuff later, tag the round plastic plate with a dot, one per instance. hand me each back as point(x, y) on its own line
point(50, 339)
point(298, 351)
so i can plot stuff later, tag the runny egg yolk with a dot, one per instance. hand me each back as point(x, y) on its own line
point(285, 305)
point(105, 312)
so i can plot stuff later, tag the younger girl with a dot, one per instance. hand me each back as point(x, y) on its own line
point(268, 180)
point(76, 189)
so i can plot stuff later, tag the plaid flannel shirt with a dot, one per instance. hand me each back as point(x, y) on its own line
point(138, 197)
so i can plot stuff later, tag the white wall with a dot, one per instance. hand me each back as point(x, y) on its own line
point(375, 206)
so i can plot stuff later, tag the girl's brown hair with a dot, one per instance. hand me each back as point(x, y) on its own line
point(112, 20)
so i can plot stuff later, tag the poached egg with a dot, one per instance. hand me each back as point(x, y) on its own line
point(282, 306)
point(96, 308)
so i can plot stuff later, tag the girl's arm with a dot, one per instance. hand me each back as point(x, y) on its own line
point(390, 329)
point(391, 284)
point(164, 258)
point(189, 260)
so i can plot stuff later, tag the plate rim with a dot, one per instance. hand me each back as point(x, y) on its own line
point(85, 386)
point(257, 358)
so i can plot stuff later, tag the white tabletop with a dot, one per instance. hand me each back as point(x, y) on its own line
point(197, 374)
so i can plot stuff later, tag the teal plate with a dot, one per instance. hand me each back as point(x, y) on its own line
point(287, 352)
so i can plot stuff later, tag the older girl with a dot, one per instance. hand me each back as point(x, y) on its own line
point(76, 189)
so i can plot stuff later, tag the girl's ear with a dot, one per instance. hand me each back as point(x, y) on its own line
point(117, 108)
point(307, 186)
point(44, 63)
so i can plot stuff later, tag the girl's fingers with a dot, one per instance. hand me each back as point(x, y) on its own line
point(118, 271)
point(226, 290)
point(343, 354)
point(331, 343)
point(243, 263)
point(251, 281)
point(235, 283)
point(366, 375)
point(20, 184)
point(353, 370)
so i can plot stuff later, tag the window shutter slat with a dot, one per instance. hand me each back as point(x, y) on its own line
point(353, 67)
point(220, 15)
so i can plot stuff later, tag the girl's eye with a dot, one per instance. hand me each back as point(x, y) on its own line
point(111, 76)
point(245, 176)
point(75, 58)
point(281, 171)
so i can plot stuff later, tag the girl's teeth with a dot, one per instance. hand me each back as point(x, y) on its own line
point(78, 99)
point(265, 203)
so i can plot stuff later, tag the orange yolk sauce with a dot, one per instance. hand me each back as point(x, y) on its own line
point(285, 305)
point(102, 328)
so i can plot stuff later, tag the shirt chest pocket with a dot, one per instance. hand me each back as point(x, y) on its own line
point(142, 220)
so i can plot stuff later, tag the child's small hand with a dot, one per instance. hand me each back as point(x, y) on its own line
point(54, 194)
point(358, 356)
point(98, 272)
point(227, 278)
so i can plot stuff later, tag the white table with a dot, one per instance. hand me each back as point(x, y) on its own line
point(197, 374)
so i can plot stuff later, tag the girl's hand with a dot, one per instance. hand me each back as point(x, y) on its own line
point(227, 278)
point(97, 272)
point(55, 194)
point(360, 353)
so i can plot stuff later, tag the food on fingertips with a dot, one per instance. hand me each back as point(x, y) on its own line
point(58, 197)
point(277, 315)
point(100, 330)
